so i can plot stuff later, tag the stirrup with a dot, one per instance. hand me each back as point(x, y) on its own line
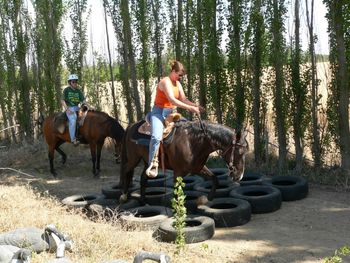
point(152, 170)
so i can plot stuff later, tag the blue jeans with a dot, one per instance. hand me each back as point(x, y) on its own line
point(72, 119)
point(157, 117)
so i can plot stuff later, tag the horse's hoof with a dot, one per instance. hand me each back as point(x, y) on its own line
point(64, 160)
point(202, 200)
point(97, 174)
point(54, 174)
point(123, 198)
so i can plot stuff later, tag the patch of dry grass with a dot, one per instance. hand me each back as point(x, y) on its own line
point(95, 242)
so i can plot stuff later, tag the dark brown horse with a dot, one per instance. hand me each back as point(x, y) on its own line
point(188, 152)
point(97, 126)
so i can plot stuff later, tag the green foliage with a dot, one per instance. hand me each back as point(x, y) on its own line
point(74, 54)
point(178, 205)
point(338, 254)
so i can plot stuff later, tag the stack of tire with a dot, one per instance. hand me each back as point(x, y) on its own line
point(232, 205)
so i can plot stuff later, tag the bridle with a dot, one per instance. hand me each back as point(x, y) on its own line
point(232, 147)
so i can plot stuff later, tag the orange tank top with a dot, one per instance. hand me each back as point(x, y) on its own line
point(162, 101)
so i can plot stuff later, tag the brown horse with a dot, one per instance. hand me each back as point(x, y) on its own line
point(97, 126)
point(188, 152)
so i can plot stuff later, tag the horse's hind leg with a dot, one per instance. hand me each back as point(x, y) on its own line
point(93, 158)
point(143, 183)
point(98, 157)
point(51, 157)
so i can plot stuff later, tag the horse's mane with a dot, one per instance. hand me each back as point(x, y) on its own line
point(116, 128)
point(217, 133)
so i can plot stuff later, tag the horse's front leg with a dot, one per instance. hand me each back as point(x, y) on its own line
point(93, 158)
point(62, 153)
point(126, 174)
point(206, 172)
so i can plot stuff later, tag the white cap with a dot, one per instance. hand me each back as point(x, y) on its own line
point(72, 77)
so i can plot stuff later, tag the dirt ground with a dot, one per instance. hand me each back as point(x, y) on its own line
point(302, 231)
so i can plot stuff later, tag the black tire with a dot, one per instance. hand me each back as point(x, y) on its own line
point(220, 173)
point(189, 180)
point(156, 195)
point(250, 178)
point(223, 190)
point(108, 208)
point(292, 187)
point(161, 180)
point(198, 229)
point(191, 201)
point(262, 198)
point(80, 201)
point(145, 217)
point(113, 191)
point(227, 212)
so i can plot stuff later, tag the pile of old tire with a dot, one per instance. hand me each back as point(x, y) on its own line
point(262, 198)
point(197, 229)
point(292, 187)
point(227, 212)
point(145, 217)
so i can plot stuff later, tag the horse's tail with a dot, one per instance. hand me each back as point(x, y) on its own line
point(124, 159)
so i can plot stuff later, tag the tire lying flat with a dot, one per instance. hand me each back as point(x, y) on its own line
point(145, 217)
point(227, 212)
point(262, 198)
point(156, 195)
point(80, 201)
point(114, 191)
point(198, 229)
point(250, 178)
point(292, 187)
point(223, 190)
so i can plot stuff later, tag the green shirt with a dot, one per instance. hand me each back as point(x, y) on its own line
point(72, 97)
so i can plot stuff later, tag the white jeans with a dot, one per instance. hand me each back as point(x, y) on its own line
point(72, 118)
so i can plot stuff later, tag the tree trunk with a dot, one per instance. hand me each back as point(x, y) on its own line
point(131, 57)
point(342, 80)
point(257, 72)
point(110, 67)
point(201, 65)
point(299, 94)
point(316, 148)
point(277, 56)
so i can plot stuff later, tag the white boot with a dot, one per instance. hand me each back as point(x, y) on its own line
point(152, 170)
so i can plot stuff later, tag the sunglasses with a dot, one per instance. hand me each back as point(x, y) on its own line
point(74, 81)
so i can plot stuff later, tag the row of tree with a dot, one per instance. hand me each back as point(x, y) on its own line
point(234, 83)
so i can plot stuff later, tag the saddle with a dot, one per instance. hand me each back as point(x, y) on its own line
point(144, 129)
point(60, 120)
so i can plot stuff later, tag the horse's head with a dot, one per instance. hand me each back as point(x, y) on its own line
point(235, 156)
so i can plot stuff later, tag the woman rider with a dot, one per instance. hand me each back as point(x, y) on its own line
point(169, 95)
